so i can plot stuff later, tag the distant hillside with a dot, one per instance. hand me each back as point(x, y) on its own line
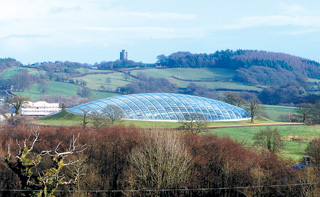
point(252, 67)
point(8, 63)
point(276, 78)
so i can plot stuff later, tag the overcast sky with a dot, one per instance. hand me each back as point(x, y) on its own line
point(90, 31)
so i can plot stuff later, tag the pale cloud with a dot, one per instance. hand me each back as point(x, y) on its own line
point(45, 17)
point(25, 24)
point(159, 15)
point(280, 20)
point(287, 15)
point(140, 33)
point(292, 9)
point(302, 31)
point(36, 24)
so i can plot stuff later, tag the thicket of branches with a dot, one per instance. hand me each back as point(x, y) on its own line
point(121, 158)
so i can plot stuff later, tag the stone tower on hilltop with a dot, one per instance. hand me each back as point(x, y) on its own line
point(123, 55)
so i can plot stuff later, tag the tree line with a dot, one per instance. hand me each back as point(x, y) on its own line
point(141, 162)
point(251, 66)
point(8, 63)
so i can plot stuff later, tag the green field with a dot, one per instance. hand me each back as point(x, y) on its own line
point(293, 149)
point(54, 88)
point(62, 88)
point(87, 70)
point(223, 75)
point(313, 80)
point(219, 85)
point(75, 120)
point(274, 112)
point(96, 95)
point(94, 81)
point(15, 70)
point(190, 73)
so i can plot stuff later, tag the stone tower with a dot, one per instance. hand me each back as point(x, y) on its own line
point(123, 55)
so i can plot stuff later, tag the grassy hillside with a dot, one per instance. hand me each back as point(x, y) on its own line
point(190, 73)
point(95, 81)
point(54, 88)
point(15, 70)
point(220, 74)
point(62, 88)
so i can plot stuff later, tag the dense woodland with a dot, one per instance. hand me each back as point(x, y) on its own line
point(122, 158)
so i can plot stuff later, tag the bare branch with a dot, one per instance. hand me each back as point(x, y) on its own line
point(36, 134)
point(18, 145)
point(57, 148)
point(50, 176)
point(7, 157)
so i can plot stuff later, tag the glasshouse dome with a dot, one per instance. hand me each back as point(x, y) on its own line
point(165, 107)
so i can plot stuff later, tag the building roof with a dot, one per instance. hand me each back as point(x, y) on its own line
point(166, 107)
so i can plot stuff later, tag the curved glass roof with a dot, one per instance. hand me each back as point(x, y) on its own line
point(166, 107)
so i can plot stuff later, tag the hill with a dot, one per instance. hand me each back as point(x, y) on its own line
point(276, 78)
point(251, 67)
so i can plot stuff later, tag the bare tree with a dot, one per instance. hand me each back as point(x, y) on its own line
point(316, 112)
point(194, 123)
point(85, 117)
point(109, 116)
point(233, 99)
point(39, 181)
point(43, 87)
point(304, 110)
point(161, 162)
point(313, 149)
point(17, 102)
point(79, 169)
point(254, 107)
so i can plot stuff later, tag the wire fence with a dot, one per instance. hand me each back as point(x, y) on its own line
point(162, 190)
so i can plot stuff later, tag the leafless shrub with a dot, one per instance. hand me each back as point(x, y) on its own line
point(161, 162)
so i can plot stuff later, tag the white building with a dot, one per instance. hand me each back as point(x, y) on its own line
point(40, 108)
